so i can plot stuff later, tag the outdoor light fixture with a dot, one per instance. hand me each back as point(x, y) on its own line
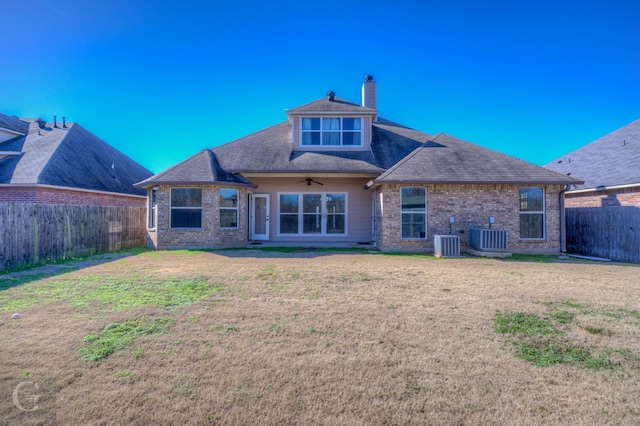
point(491, 221)
point(451, 220)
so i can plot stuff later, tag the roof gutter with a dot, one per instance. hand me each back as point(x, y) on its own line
point(465, 182)
point(604, 188)
point(193, 183)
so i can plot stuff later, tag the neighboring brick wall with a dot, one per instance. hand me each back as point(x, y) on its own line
point(45, 195)
point(209, 235)
point(471, 206)
point(610, 197)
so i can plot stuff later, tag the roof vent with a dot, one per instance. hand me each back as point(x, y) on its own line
point(41, 123)
point(55, 121)
point(64, 122)
point(368, 78)
point(331, 95)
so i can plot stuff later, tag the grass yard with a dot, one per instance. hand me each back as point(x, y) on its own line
point(320, 337)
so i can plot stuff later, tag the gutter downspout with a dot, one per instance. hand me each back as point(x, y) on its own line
point(563, 222)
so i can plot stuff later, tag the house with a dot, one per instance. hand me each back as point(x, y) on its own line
point(610, 168)
point(63, 163)
point(335, 172)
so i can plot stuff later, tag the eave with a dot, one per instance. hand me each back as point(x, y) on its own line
point(376, 182)
point(193, 183)
point(604, 188)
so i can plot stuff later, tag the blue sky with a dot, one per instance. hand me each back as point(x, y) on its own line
point(162, 80)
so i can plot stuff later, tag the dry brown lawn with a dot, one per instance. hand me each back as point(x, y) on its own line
point(324, 338)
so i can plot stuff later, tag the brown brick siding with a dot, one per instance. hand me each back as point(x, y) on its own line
point(209, 235)
point(611, 197)
point(471, 206)
point(45, 195)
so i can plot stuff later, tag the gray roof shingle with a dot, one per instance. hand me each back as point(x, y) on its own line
point(70, 157)
point(336, 105)
point(13, 123)
point(445, 159)
point(397, 154)
point(613, 159)
point(200, 168)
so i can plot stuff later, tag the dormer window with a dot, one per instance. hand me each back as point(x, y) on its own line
point(331, 131)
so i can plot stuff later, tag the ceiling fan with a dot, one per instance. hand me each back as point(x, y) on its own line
point(309, 180)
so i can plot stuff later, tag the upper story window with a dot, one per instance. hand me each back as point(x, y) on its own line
point(331, 131)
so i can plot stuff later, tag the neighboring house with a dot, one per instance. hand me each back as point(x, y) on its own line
point(63, 163)
point(610, 168)
point(336, 172)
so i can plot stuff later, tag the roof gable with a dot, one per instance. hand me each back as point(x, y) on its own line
point(331, 106)
point(201, 168)
point(613, 159)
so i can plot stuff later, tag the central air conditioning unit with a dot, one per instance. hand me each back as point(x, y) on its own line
point(488, 239)
point(446, 245)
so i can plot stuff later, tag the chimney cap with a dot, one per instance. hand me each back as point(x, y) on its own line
point(368, 78)
point(331, 95)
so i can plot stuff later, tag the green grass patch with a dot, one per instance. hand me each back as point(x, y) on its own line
point(521, 323)
point(110, 291)
point(137, 291)
point(540, 342)
point(547, 352)
point(561, 316)
point(117, 336)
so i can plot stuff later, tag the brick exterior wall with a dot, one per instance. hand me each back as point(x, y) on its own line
point(209, 235)
point(471, 206)
point(46, 195)
point(610, 197)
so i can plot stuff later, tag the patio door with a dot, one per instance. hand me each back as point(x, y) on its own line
point(260, 217)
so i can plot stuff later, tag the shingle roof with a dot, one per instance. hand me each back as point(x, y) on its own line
point(336, 105)
point(445, 159)
point(70, 157)
point(271, 150)
point(13, 123)
point(201, 168)
point(613, 159)
point(398, 155)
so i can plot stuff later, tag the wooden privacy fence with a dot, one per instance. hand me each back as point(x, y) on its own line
point(32, 233)
point(611, 232)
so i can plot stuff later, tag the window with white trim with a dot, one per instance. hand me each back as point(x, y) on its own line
point(228, 208)
point(312, 213)
point(532, 213)
point(186, 207)
point(413, 202)
point(331, 131)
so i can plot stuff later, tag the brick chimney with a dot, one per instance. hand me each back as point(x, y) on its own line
point(369, 92)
